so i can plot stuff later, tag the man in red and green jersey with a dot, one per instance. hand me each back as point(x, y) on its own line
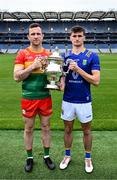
point(36, 99)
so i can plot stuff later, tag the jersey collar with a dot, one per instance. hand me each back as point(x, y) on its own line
point(74, 51)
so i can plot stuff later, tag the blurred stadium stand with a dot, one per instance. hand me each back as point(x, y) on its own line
point(101, 29)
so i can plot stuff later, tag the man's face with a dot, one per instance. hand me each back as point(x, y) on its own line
point(35, 36)
point(77, 39)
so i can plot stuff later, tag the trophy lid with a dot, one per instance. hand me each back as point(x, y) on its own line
point(55, 56)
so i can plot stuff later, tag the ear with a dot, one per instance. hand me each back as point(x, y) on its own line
point(70, 38)
point(28, 37)
point(84, 38)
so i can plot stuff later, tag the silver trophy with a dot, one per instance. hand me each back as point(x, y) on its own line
point(54, 70)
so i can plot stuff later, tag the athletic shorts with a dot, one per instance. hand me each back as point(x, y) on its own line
point(31, 108)
point(82, 111)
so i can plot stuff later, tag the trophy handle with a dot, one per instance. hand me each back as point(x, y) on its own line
point(67, 65)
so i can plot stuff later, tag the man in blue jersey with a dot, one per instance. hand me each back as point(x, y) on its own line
point(82, 68)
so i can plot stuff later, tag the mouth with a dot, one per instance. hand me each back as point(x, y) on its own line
point(77, 42)
point(36, 40)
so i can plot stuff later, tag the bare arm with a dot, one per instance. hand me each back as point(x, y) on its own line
point(20, 73)
point(62, 83)
point(93, 78)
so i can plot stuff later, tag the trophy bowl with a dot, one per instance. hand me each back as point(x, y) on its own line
point(54, 71)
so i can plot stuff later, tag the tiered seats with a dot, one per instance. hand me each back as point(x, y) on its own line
point(101, 36)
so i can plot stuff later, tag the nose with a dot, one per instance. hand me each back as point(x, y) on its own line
point(77, 37)
point(36, 35)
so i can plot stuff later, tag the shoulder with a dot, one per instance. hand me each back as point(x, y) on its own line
point(23, 51)
point(91, 54)
point(46, 52)
point(20, 57)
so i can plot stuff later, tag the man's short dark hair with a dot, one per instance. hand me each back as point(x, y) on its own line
point(76, 29)
point(33, 25)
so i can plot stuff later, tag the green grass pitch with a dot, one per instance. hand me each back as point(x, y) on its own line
point(13, 155)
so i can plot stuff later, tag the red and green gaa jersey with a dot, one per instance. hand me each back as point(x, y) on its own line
point(33, 87)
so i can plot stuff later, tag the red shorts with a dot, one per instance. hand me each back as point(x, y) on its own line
point(32, 107)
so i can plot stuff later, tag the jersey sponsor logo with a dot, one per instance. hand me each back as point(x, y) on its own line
point(73, 81)
point(30, 58)
point(75, 75)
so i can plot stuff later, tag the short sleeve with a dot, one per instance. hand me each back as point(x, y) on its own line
point(95, 62)
point(20, 58)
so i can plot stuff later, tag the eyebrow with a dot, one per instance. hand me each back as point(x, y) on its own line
point(77, 36)
point(35, 34)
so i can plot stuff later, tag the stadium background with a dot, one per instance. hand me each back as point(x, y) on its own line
point(101, 29)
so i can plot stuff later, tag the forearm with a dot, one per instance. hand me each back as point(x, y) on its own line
point(62, 83)
point(91, 78)
point(20, 75)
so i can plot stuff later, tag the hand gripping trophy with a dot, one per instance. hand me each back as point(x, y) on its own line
point(54, 70)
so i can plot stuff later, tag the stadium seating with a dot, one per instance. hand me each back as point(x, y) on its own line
point(101, 36)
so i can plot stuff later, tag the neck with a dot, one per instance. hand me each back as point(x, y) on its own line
point(77, 50)
point(36, 48)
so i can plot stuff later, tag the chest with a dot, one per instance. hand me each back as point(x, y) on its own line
point(83, 62)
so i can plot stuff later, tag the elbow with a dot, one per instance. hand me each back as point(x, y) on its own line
point(16, 79)
point(96, 83)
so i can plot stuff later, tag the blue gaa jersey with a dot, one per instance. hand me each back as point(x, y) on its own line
point(77, 89)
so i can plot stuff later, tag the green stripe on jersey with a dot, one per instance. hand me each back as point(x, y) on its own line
point(34, 87)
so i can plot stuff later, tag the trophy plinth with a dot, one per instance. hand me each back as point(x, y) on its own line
point(52, 86)
point(54, 71)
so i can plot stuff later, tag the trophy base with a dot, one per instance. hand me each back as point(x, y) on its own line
point(53, 87)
